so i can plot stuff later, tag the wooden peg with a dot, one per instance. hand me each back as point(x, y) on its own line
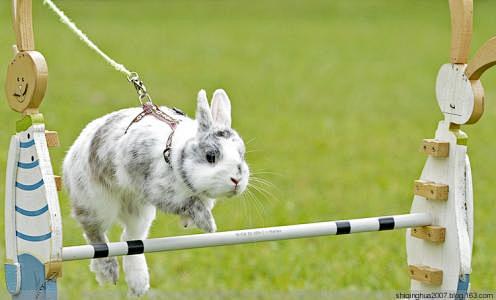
point(53, 269)
point(58, 182)
point(435, 234)
point(52, 138)
point(426, 274)
point(23, 24)
point(435, 148)
point(430, 190)
point(461, 30)
point(482, 60)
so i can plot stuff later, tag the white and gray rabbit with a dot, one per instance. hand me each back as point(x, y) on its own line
point(116, 176)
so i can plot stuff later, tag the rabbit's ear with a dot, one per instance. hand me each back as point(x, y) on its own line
point(203, 114)
point(461, 30)
point(221, 108)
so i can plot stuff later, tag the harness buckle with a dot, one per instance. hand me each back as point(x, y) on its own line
point(167, 153)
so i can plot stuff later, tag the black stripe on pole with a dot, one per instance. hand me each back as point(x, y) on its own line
point(386, 223)
point(135, 247)
point(101, 250)
point(343, 227)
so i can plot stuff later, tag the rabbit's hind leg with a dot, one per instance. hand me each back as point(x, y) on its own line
point(136, 221)
point(95, 223)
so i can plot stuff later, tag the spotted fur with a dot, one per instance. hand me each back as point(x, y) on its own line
point(116, 176)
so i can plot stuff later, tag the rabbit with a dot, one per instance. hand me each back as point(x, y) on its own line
point(113, 175)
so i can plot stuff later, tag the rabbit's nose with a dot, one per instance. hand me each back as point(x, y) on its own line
point(235, 181)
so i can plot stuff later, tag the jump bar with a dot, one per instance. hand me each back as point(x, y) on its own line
point(246, 236)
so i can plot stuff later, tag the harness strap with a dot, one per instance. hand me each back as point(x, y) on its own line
point(152, 109)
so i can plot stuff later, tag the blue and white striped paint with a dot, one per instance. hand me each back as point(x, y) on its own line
point(30, 187)
point(32, 210)
point(27, 144)
point(31, 213)
point(34, 238)
point(28, 165)
point(34, 234)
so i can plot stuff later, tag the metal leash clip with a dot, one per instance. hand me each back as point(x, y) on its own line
point(143, 96)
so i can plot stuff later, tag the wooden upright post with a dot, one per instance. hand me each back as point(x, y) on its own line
point(33, 225)
point(23, 24)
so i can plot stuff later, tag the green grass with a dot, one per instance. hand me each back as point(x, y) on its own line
point(334, 97)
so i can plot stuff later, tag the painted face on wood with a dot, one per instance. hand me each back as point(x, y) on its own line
point(22, 89)
point(454, 93)
point(26, 81)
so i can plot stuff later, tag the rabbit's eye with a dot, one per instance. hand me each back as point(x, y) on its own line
point(210, 157)
point(223, 133)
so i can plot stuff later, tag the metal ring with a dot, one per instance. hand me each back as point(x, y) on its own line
point(132, 76)
point(145, 96)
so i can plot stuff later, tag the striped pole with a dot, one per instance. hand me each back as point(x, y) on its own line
point(246, 236)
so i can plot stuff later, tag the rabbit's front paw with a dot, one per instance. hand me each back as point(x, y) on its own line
point(205, 221)
point(186, 222)
point(209, 225)
point(201, 216)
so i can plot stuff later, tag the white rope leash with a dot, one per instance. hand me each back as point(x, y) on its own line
point(132, 77)
point(64, 19)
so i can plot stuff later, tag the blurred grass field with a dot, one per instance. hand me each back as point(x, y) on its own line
point(333, 98)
